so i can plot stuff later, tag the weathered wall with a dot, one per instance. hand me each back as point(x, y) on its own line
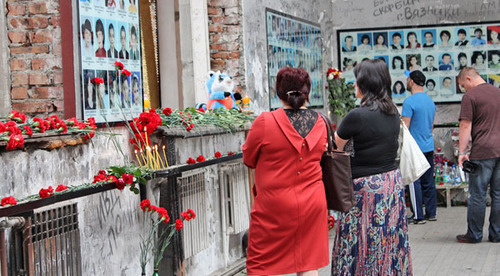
point(109, 222)
point(35, 56)
point(226, 39)
point(254, 37)
point(350, 14)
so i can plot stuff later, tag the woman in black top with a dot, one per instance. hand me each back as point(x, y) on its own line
point(372, 237)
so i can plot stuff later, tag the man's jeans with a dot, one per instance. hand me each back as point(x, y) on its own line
point(424, 190)
point(488, 172)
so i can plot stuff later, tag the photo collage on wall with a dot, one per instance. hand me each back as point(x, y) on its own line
point(439, 51)
point(293, 42)
point(109, 32)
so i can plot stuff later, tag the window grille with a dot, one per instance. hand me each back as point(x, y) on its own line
point(235, 195)
point(192, 194)
point(52, 242)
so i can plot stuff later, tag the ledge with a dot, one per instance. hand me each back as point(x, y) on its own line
point(48, 141)
point(198, 131)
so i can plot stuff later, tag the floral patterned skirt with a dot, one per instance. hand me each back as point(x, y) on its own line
point(372, 238)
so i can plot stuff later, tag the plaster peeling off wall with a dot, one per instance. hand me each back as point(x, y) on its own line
point(254, 39)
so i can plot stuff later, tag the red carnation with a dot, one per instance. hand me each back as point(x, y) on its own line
point(17, 116)
point(140, 141)
point(146, 205)
point(120, 184)
point(2, 127)
point(112, 178)
point(119, 65)
point(163, 214)
point(61, 187)
point(178, 224)
point(126, 72)
point(128, 178)
point(98, 80)
point(190, 161)
point(99, 178)
point(200, 158)
point(200, 110)
point(12, 128)
point(217, 154)
point(191, 213)
point(28, 131)
point(103, 172)
point(15, 141)
point(230, 152)
point(185, 215)
point(167, 111)
point(44, 193)
point(10, 200)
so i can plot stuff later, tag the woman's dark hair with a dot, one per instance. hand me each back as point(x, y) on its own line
point(444, 32)
point(374, 81)
point(402, 88)
point(99, 27)
point(475, 55)
point(429, 81)
point(133, 32)
point(87, 26)
point(380, 35)
point(365, 36)
point(411, 33)
point(293, 86)
point(394, 65)
point(462, 54)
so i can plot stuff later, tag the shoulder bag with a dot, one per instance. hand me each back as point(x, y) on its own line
point(412, 163)
point(337, 177)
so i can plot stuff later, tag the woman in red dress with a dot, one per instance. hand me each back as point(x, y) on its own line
point(288, 225)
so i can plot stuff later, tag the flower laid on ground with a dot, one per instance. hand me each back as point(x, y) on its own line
point(217, 154)
point(14, 126)
point(9, 200)
point(44, 193)
point(167, 111)
point(158, 239)
point(340, 97)
point(190, 160)
point(200, 158)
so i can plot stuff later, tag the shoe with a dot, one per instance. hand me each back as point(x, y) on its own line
point(431, 218)
point(466, 239)
point(419, 221)
point(492, 240)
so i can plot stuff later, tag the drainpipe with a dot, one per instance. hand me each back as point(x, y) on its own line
point(14, 222)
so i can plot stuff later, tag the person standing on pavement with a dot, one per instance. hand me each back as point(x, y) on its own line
point(480, 118)
point(418, 114)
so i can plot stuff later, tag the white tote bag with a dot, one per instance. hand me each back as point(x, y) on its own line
point(413, 163)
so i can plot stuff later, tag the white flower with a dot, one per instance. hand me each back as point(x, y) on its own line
point(330, 76)
point(340, 75)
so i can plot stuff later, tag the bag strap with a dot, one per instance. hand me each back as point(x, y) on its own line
point(331, 141)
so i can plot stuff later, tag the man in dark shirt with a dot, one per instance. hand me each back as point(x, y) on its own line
point(480, 117)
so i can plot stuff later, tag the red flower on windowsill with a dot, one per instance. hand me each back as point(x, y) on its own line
point(217, 154)
point(10, 200)
point(200, 158)
point(44, 193)
point(190, 161)
point(61, 188)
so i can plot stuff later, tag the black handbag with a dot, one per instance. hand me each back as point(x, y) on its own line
point(337, 177)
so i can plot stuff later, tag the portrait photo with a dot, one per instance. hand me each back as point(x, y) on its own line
point(447, 86)
point(397, 63)
point(396, 40)
point(87, 37)
point(413, 62)
point(430, 87)
point(445, 38)
point(429, 38)
point(412, 39)
point(446, 62)
point(494, 59)
point(112, 41)
point(462, 36)
point(349, 43)
point(478, 60)
point(493, 34)
point(380, 41)
point(478, 35)
point(102, 95)
point(364, 41)
point(88, 91)
point(430, 63)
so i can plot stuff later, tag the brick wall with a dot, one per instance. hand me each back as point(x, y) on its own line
point(35, 56)
point(226, 39)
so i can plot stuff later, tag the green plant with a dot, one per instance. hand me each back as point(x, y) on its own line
point(340, 97)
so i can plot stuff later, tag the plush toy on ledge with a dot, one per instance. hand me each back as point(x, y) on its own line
point(220, 92)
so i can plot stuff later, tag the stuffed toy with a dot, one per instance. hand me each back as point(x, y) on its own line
point(220, 91)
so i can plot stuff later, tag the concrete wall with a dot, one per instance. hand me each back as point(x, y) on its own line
point(110, 222)
point(350, 14)
point(254, 37)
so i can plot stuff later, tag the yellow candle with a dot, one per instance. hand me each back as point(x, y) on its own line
point(165, 156)
point(138, 160)
point(143, 159)
point(148, 154)
point(158, 158)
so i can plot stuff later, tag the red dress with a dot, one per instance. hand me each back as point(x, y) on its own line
point(288, 225)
